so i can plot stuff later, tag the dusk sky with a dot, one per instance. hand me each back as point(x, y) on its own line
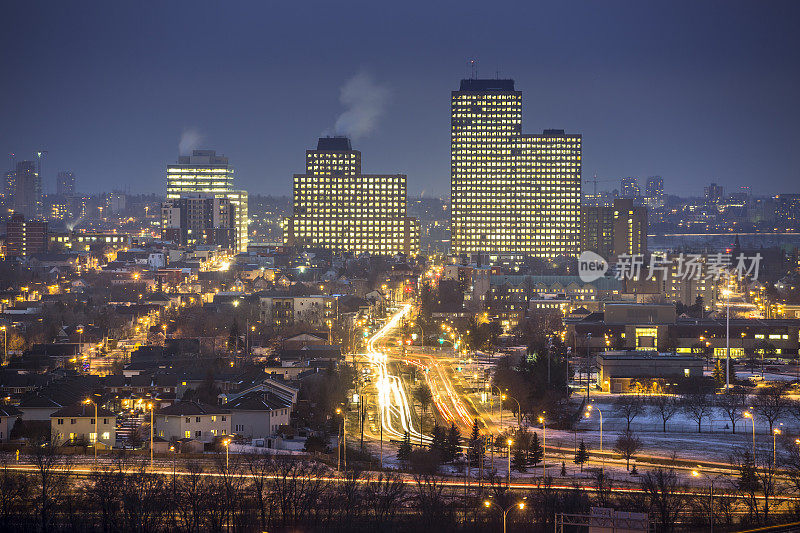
point(694, 91)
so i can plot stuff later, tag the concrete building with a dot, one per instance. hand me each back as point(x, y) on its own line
point(76, 424)
point(629, 188)
point(654, 192)
point(199, 218)
point(192, 420)
point(616, 230)
point(338, 208)
point(283, 310)
point(27, 196)
point(511, 193)
point(25, 237)
point(206, 172)
point(628, 371)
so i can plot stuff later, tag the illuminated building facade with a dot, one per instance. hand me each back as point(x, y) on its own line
point(206, 172)
point(27, 196)
point(65, 183)
point(337, 207)
point(199, 218)
point(512, 193)
point(616, 230)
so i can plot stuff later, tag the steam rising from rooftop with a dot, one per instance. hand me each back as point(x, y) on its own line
point(365, 101)
point(190, 140)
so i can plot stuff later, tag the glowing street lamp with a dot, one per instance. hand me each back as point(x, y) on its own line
point(749, 414)
point(589, 415)
point(519, 505)
point(544, 446)
point(775, 433)
point(87, 401)
point(509, 442)
point(697, 473)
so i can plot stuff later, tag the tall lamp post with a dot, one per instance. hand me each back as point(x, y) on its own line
point(544, 446)
point(509, 442)
point(749, 414)
point(727, 293)
point(588, 367)
point(227, 443)
point(775, 433)
point(505, 510)
point(87, 401)
point(712, 479)
point(342, 442)
point(151, 406)
point(4, 329)
point(588, 415)
point(519, 408)
point(501, 404)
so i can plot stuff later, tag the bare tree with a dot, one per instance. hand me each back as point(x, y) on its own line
point(667, 407)
point(629, 406)
point(627, 445)
point(697, 406)
point(733, 403)
point(771, 403)
point(665, 496)
point(48, 467)
point(14, 493)
point(757, 483)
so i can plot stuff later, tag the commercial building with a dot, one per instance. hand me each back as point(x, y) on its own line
point(339, 208)
point(65, 183)
point(628, 371)
point(787, 210)
point(206, 172)
point(27, 195)
point(25, 237)
point(199, 218)
point(616, 230)
point(277, 309)
point(511, 193)
point(713, 193)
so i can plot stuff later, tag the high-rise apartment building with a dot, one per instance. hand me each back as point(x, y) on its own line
point(199, 218)
point(206, 172)
point(654, 192)
point(25, 237)
point(65, 183)
point(27, 196)
point(629, 187)
point(339, 208)
point(713, 193)
point(616, 230)
point(511, 193)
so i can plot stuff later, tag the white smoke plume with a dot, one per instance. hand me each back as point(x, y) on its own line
point(190, 140)
point(365, 101)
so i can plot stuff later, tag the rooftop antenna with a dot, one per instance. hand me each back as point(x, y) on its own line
point(473, 66)
point(13, 157)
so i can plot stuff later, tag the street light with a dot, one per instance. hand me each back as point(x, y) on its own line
point(775, 433)
point(544, 451)
point(5, 344)
point(712, 479)
point(749, 414)
point(87, 401)
point(491, 403)
point(727, 294)
point(227, 444)
point(519, 408)
point(342, 456)
point(588, 415)
point(509, 442)
point(150, 406)
point(519, 505)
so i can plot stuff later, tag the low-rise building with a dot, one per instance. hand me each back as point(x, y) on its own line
point(258, 414)
point(192, 420)
point(624, 371)
point(75, 424)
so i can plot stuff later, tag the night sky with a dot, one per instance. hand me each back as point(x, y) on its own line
point(694, 91)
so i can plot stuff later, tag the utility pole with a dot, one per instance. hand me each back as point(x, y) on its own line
point(588, 341)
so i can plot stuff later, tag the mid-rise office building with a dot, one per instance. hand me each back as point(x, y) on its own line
point(616, 230)
point(339, 208)
point(25, 237)
point(199, 218)
point(713, 193)
point(65, 183)
point(511, 193)
point(206, 172)
point(787, 210)
point(27, 196)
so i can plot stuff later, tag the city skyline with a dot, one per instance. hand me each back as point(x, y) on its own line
point(713, 88)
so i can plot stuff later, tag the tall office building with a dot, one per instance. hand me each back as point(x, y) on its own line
point(616, 230)
point(511, 193)
point(654, 192)
point(206, 172)
point(629, 187)
point(27, 196)
point(713, 193)
point(9, 185)
point(65, 183)
point(199, 218)
point(337, 207)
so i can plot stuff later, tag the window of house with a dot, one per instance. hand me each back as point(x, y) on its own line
point(187, 434)
point(60, 421)
point(223, 419)
point(72, 421)
point(188, 420)
point(105, 421)
point(197, 419)
point(197, 433)
point(213, 418)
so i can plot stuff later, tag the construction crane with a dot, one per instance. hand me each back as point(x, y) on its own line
point(595, 181)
